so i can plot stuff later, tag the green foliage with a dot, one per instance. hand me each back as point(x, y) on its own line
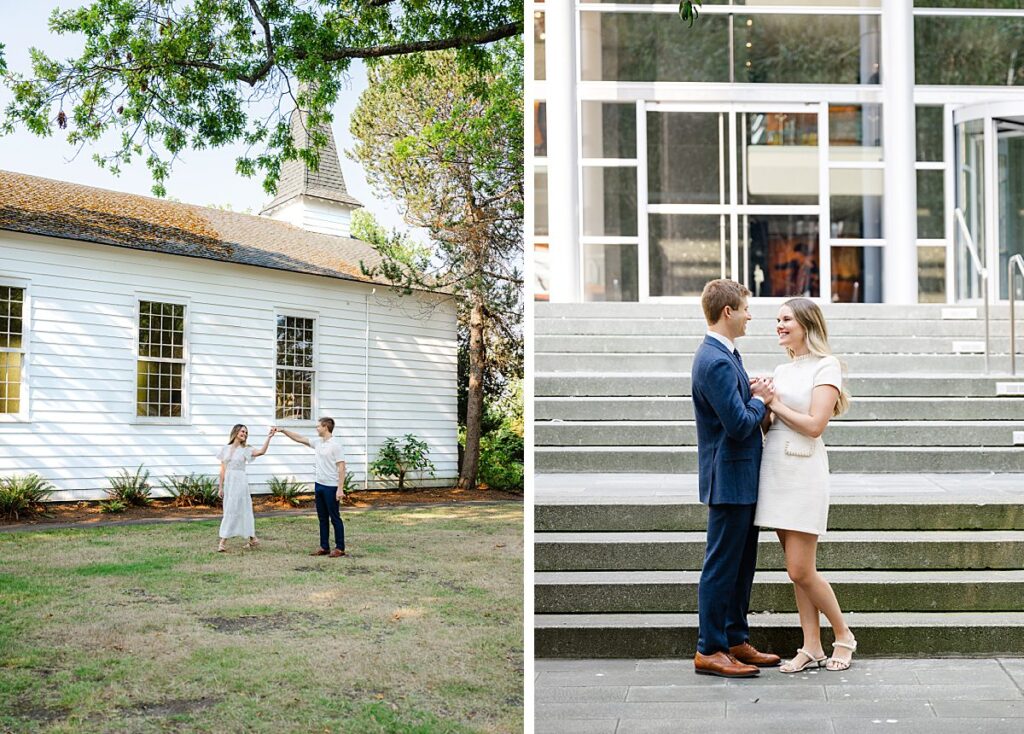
point(22, 495)
point(501, 459)
point(395, 462)
point(286, 490)
point(688, 10)
point(132, 489)
point(160, 77)
point(350, 483)
point(191, 490)
point(112, 506)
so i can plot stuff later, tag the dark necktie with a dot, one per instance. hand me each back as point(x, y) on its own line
point(736, 353)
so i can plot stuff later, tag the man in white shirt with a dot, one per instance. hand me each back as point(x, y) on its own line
point(329, 486)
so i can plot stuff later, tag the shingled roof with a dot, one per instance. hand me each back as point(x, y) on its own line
point(327, 182)
point(43, 206)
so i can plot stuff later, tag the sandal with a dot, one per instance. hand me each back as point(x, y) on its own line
point(839, 665)
point(253, 543)
point(221, 547)
point(791, 667)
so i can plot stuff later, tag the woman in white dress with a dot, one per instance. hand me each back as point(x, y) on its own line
point(793, 495)
point(238, 520)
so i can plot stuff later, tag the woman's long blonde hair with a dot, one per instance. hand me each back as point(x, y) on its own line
point(810, 317)
point(234, 434)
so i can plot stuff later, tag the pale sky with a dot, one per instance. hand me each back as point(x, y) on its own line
point(199, 177)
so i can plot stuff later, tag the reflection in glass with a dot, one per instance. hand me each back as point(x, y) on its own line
point(930, 205)
point(684, 157)
point(539, 46)
point(540, 201)
point(856, 274)
point(970, 199)
point(540, 129)
point(1011, 198)
point(855, 132)
point(856, 202)
point(541, 271)
point(931, 274)
point(609, 201)
point(968, 50)
point(782, 255)
point(609, 130)
point(610, 273)
point(929, 133)
point(685, 252)
point(806, 49)
point(780, 158)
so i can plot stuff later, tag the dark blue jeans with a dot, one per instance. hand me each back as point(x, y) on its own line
point(327, 506)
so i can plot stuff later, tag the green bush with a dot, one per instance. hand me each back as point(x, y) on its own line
point(132, 489)
point(395, 462)
point(350, 484)
point(501, 460)
point(191, 490)
point(113, 506)
point(22, 495)
point(286, 490)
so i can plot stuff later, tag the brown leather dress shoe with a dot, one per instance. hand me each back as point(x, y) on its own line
point(724, 665)
point(337, 553)
point(747, 653)
point(319, 552)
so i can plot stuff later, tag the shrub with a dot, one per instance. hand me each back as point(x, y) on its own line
point(501, 459)
point(22, 495)
point(394, 461)
point(131, 489)
point(286, 490)
point(112, 506)
point(195, 489)
point(350, 483)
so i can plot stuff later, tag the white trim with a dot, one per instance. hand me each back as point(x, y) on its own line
point(186, 352)
point(930, 165)
point(933, 242)
point(838, 165)
point(854, 242)
point(643, 250)
point(948, 152)
point(314, 399)
point(608, 162)
point(24, 414)
point(718, 93)
point(825, 200)
point(669, 9)
point(592, 239)
point(982, 12)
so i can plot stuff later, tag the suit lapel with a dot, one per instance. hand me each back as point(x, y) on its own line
point(743, 378)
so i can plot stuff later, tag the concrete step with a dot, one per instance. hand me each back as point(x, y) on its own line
point(866, 460)
point(840, 433)
point(768, 310)
point(603, 592)
point(885, 634)
point(757, 344)
point(875, 513)
point(758, 364)
point(841, 550)
point(861, 409)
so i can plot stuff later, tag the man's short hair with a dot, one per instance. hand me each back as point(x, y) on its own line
point(329, 423)
point(721, 293)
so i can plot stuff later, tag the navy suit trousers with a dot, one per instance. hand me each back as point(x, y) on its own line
point(726, 578)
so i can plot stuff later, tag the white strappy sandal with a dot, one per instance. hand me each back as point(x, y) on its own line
point(811, 661)
point(841, 665)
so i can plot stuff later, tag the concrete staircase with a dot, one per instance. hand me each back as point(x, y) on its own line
point(926, 541)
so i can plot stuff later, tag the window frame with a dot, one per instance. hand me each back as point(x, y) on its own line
point(186, 413)
point(24, 414)
point(314, 402)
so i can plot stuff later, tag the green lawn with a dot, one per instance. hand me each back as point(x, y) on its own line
point(146, 629)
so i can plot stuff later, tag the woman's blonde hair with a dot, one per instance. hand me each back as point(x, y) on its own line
point(234, 434)
point(810, 317)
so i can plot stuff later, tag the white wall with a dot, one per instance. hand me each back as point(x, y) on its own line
point(316, 215)
point(82, 365)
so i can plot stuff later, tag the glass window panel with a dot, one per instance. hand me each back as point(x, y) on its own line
point(782, 254)
point(1005, 4)
point(968, 51)
point(609, 130)
point(541, 272)
point(856, 274)
point(609, 201)
point(540, 201)
point(806, 49)
point(539, 46)
point(540, 129)
point(780, 158)
point(931, 211)
point(856, 203)
point(855, 132)
point(929, 133)
point(610, 273)
point(685, 252)
point(10, 382)
point(684, 157)
point(1010, 148)
point(652, 47)
point(931, 274)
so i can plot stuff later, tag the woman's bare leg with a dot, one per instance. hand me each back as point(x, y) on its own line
point(810, 622)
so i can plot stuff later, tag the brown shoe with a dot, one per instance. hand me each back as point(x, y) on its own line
point(724, 665)
point(747, 653)
point(338, 553)
point(319, 552)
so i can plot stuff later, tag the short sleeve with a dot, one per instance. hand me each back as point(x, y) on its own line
point(314, 440)
point(222, 454)
point(338, 454)
point(829, 372)
point(248, 454)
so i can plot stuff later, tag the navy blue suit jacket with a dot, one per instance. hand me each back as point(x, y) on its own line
point(728, 426)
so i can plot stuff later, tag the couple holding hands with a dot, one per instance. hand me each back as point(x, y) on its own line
point(762, 463)
point(329, 488)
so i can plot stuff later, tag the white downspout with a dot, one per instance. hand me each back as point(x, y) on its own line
point(366, 396)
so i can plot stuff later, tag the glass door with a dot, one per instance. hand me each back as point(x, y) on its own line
point(970, 201)
point(1010, 151)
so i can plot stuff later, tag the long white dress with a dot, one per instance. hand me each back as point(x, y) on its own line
point(238, 518)
point(793, 493)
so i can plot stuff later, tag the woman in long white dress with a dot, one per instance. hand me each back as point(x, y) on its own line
point(793, 495)
point(238, 520)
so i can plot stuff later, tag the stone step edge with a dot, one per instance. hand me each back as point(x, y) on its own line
point(786, 619)
point(641, 578)
point(1013, 450)
point(766, 536)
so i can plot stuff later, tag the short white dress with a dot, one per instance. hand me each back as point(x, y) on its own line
point(793, 493)
point(238, 520)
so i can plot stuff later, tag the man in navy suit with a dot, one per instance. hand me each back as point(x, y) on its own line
point(729, 408)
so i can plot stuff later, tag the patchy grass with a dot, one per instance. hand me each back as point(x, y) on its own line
point(147, 629)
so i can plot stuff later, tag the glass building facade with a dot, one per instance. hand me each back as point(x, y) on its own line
point(758, 145)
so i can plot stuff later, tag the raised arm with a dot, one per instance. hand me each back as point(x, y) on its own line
point(266, 444)
point(296, 437)
point(823, 402)
point(738, 418)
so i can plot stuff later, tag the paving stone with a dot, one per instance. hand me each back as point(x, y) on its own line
point(739, 694)
point(580, 694)
point(608, 710)
point(880, 725)
point(922, 692)
point(576, 726)
point(980, 709)
point(793, 725)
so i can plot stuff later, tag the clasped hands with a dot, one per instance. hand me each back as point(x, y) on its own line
point(764, 388)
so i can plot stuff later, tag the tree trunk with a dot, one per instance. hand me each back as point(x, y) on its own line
point(474, 396)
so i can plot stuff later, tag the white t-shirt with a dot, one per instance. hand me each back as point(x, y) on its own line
point(328, 453)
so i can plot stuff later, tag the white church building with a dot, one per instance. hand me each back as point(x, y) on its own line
point(136, 330)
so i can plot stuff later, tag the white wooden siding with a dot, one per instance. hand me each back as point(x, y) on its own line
point(316, 215)
point(83, 429)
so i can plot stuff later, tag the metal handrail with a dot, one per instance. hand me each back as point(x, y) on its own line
point(1019, 262)
point(982, 270)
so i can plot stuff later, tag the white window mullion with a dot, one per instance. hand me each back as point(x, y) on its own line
point(642, 228)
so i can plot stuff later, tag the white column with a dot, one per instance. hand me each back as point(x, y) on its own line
point(899, 276)
point(563, 178)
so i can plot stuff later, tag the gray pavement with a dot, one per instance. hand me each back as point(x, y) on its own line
point(930, 696)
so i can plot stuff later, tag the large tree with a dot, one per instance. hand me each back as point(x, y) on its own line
point(446, 141)
point(169, 74)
